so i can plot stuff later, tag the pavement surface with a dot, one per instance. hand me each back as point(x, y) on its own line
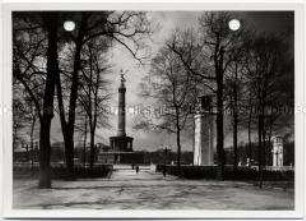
point(126, 189)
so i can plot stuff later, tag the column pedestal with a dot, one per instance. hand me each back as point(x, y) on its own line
point(203, 145)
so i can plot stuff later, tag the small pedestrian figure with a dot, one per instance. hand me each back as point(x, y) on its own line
point(137, 169)
point(164, 171)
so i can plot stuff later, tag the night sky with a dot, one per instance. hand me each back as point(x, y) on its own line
point(280, 23)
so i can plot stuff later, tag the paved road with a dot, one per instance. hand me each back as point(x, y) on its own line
point(149, 190)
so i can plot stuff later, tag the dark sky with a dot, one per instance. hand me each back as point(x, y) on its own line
point(277, 22)
point(267, 21)
point(270, 22)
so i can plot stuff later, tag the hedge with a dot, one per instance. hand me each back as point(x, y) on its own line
point(61, 172)
point(210, 173)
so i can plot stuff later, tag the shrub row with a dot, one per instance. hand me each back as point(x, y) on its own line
point(82, 172)
point(61, 172)
point(210, 172)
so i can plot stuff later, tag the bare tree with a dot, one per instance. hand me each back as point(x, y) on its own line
point(85, 140)
point(209, 56)
point(51, 24)
point(18, 121)
point(125, 28)
point(232, 90)
point(34, 118)
point(175, 93)
point(235, 90)
point(267, 79)
point(94, 95)
point(45, 28)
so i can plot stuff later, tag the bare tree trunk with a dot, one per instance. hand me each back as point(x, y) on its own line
point(178, 133)
point(90, 113)
point(44, 155)
point(51, 22)
point(15, 130)
point(260, 163)
point(235, 141)
point(85, 141)
point(235, 121)
point(32, 140)
point(220, 138)
point(68, 127)
point(269, 143)
point(178, 143)
point(27, 151)
point(69, 152)
point(220, 132)
point(92, 147)
point(249, 133)
point(264, 148)
point(69, 144)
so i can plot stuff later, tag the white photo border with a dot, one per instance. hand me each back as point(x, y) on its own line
point(6, 111)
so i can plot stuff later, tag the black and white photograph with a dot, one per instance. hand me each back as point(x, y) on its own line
point(160, 110)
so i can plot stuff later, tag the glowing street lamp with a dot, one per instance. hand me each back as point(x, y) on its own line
point(234, 24)
point(69, 26)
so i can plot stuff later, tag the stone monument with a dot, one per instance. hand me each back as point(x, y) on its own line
point(121, 142)
point(204, 133)
point(277, 152)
